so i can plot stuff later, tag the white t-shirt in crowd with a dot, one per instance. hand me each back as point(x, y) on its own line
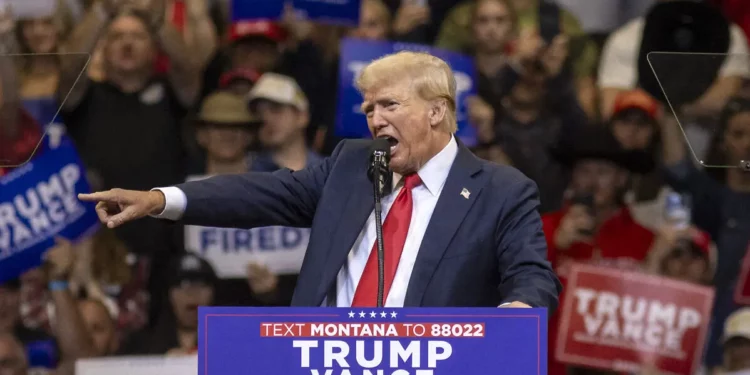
point(604, 16)
point(619, 62)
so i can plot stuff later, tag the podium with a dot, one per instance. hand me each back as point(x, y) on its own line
point(372, 341)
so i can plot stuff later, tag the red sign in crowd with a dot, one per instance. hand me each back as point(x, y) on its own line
point(626, 320)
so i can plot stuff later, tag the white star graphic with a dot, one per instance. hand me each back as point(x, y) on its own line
point(393, 315)
point(351, 314)
point(383, 314)
point(373, 314)
point(361, 314)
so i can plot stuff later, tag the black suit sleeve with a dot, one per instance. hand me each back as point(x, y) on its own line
point(525, 274)
point(258, 199)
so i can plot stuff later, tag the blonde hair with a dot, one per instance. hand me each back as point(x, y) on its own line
point(431, 79)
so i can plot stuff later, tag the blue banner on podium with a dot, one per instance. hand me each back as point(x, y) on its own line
point(390, 341)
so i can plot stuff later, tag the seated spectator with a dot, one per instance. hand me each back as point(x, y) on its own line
point(192, 283)
point(455, 34)
point(284, 110)
point(225, 131)
point(720, 200)
point(594, 225)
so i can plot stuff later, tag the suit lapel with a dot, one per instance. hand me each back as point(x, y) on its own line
point(459, 193)
point(357, 207)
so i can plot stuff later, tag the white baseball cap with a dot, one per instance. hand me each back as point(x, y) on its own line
point(279, 89)
point(737, 324)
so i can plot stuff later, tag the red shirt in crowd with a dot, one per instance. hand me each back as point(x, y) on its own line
point(619, 238)
point(16, 150)
point(738, 11)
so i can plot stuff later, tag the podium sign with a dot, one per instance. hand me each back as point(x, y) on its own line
point(385, 341)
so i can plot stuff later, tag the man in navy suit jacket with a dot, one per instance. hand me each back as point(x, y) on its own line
point(474, 239)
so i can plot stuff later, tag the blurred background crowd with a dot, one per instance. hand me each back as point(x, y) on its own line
point(175, 89)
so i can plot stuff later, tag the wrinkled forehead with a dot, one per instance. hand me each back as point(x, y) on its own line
point(399, 89)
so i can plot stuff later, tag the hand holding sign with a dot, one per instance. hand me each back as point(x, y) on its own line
point(261, 279)
point(117, 206)
point(60, 259)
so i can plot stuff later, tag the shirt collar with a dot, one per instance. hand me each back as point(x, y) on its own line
point(435, 172)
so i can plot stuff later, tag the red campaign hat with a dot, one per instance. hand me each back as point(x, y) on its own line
point(261, 28)
point(637, 99)
point(238, 74)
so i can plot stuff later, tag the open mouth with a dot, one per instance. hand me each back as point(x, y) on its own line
point(391, 141)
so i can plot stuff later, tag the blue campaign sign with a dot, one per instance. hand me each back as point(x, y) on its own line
point(390, 341)
point(38, 201)
point(243, 10)
point(356, 54)
point(341, 12)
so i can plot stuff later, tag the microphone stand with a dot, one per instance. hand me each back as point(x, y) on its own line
point(377, 182)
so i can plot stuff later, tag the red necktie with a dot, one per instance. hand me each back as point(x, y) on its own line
point(395, 228)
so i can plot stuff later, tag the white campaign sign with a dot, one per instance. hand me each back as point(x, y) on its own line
point(229, 250)
point(141, 365)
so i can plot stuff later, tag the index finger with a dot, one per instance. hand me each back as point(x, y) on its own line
point(106, 196)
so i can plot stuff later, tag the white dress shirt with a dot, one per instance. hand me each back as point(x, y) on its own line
point(433, 174)
point(425, 196)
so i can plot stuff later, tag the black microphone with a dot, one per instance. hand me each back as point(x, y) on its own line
point(382, 180)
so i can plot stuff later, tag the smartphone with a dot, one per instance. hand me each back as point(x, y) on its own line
point(549, 20)
point(586, 200)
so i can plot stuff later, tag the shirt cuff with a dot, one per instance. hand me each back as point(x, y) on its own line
point(175, 202)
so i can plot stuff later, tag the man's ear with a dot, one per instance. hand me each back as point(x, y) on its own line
point(438, 111)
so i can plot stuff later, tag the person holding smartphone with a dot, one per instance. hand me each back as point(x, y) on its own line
point(594, 225)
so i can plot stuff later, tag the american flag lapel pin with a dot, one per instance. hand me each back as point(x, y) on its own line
point(465, 193)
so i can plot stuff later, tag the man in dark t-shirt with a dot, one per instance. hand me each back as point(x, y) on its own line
point(128, 127)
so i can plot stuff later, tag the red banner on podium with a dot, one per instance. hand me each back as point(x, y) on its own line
point(625, 320)
point(742, 290)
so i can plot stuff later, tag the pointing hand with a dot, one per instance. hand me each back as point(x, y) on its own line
point(117, 206)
